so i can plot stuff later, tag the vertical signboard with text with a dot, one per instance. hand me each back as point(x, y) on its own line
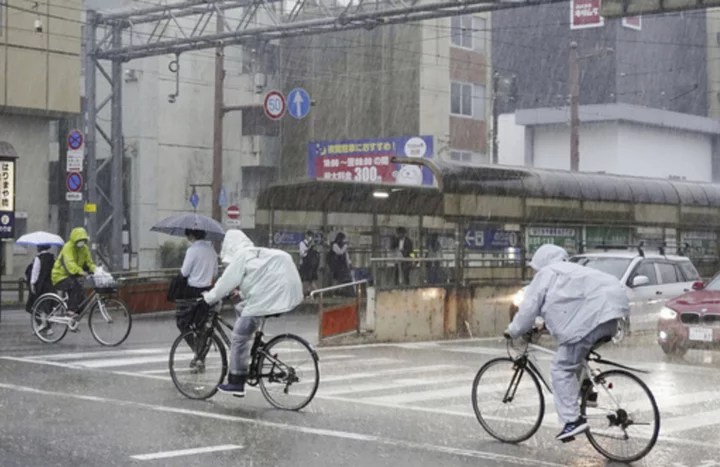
point(368, 161)
point(7, 198)
point(585, 14)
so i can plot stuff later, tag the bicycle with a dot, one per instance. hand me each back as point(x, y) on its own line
point(605, 420)
point(209, 343)
point(51, 309)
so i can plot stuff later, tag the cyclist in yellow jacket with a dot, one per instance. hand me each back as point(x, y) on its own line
point(73, 262)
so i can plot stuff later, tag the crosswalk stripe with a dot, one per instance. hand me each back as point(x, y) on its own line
point(389, 372)
point(690, 422)
point(395, 384)
point(107, 353)
point(114, 362)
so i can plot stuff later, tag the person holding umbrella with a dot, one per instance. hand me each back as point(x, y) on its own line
point(38, 273)
point(199, 268)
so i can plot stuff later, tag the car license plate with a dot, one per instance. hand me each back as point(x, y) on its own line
point(701, 334)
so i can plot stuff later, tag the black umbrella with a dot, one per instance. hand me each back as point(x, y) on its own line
point(176, 225)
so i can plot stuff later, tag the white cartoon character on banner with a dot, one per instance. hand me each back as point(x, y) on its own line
point(411, 174)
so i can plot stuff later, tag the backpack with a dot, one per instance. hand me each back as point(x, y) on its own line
point(312, 259)
point(28, 273)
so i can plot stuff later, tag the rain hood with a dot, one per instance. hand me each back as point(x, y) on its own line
point(73, 261)
point(268, 279)
point(572, 299)
point(547, 255)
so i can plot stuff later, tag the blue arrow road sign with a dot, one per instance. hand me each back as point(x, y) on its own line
point(222, 199)
point(298, 102)
point(194, 200)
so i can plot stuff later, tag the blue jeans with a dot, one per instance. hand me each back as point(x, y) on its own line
point(245, 327)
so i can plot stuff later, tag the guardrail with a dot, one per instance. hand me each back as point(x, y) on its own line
point(340, 319)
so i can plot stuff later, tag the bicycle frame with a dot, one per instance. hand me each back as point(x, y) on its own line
point(256, 350)
point(528, 359)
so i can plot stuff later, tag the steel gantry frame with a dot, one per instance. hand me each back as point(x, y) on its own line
point(110, 37)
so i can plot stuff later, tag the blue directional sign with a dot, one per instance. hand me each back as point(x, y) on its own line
point(194, 200)
point(222, 199)
point(491, 239)
point(298, 103)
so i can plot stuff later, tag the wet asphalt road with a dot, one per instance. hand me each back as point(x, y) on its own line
point(381, 405)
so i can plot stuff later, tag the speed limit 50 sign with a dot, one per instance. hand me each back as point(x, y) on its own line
point(274, 105)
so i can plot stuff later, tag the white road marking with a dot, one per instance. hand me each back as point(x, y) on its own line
point(115, 362)
point(346, 435)
point(389, 372)
point(106, 353)
point(394, 384)
point(690, 422)
point(186, 452)
point(42, 362)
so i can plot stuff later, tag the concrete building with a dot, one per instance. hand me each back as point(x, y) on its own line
point(643, 108)
point(39, 83)
point(431, 78)
point(169, 141)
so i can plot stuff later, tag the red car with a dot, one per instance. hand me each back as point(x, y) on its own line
point(691, 321)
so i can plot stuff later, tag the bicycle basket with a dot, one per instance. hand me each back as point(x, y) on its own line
point(104, 284)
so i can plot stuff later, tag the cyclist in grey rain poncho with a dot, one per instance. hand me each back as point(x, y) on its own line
point(580, 306)
point(268, 282)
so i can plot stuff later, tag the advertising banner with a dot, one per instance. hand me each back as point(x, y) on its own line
point(565, 237)
point(585, 14)
point(368, 161)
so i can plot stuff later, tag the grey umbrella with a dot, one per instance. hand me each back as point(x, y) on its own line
point(176, 225)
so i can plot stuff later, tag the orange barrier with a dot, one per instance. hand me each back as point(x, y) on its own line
point(339, 320)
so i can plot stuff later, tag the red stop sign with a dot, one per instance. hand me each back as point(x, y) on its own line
point(233, 212)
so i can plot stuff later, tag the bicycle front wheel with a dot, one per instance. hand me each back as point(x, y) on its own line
point(508, 400)
point(110, 322)
point(198, 364)
point(624, 426)
point(288, 372)
point(46, 310)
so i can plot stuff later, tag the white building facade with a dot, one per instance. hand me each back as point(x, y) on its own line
point(617, 139)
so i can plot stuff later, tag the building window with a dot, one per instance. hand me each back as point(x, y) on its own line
point(467, 100)
point(468, 32)
point(469, 157)
point(461, 31)
point(479, 34)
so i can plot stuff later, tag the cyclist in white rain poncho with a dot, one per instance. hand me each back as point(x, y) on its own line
point(580, 306)
point(269, 284)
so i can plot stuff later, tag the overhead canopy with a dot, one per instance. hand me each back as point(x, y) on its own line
point(559, 184)
point(332, 196)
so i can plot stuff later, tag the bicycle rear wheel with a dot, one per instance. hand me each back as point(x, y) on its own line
point(508, 400)
point(110, 321)
point(197, 367)
point(288, 362)
point(44, 309)
point(624, 426)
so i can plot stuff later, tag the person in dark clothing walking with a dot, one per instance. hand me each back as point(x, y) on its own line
point(403, 248)
point(38, 276)
point(339, 263)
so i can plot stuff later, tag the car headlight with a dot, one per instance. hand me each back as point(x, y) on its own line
point(668, 313)
point(518, 297)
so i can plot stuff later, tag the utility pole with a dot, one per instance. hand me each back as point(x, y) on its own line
point(219, 113)
point(574, 83)
point(495, 111)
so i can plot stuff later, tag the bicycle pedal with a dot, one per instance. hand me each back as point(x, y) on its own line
point(239, 396)
point(567, 440)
